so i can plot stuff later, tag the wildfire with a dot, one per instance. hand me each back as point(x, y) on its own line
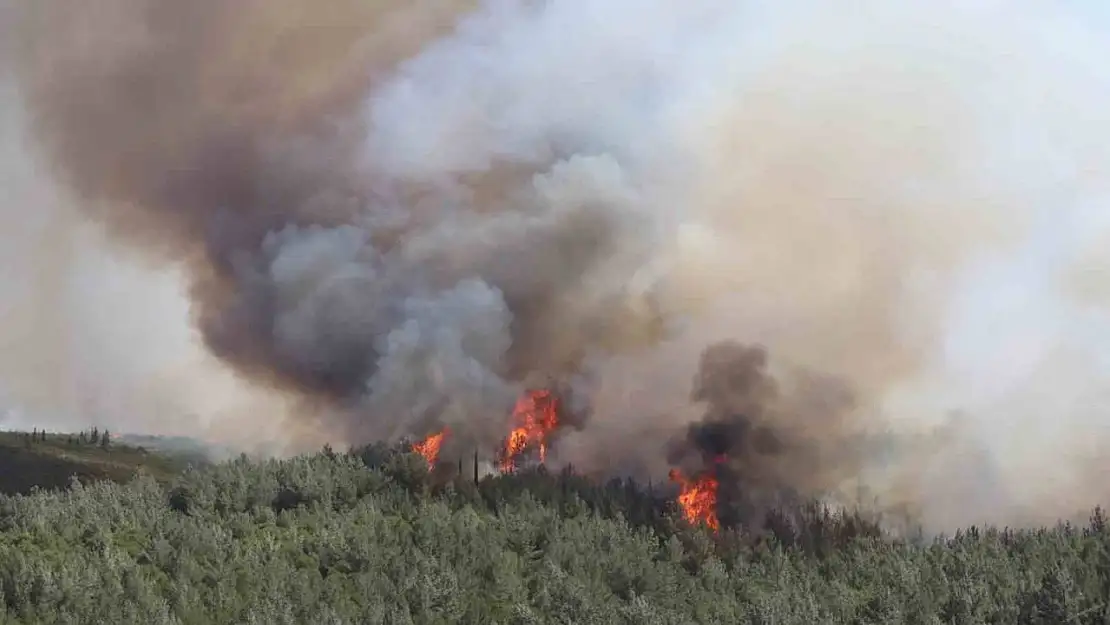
point(429, 447)
point(698, 498)
point(535, 417)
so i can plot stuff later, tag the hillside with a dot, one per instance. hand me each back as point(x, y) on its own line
point(50, 461)
point(372, 537)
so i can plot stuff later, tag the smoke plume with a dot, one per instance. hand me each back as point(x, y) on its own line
point(770, 443)
point(393, 217)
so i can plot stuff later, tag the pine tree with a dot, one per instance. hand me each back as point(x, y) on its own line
point(104, 439)
point(95, 436)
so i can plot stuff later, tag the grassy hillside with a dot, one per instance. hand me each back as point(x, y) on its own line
point(372, 537)
point(50, 461)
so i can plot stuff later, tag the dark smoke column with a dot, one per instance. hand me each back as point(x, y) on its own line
point(763, 448)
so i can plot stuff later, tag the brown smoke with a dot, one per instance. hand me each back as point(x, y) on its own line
point(197, 130)
point(400, 214)
point(88, 337)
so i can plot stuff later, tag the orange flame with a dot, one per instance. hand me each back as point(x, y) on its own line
point(429, 447)
point(698, 498)
point(535, 417)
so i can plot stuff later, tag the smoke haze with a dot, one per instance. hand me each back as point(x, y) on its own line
point(382, 218)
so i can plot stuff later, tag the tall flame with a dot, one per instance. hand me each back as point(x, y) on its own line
point(698, 498)
point(535, 417)
point(429, 447)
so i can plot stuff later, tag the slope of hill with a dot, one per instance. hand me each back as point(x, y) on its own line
point(50, 461)
point(373, 537)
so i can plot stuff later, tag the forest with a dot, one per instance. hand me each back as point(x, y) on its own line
point(371, 535)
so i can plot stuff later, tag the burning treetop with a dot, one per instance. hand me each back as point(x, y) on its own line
point(534, 421)
point(698, 498)
point(429, 447)
point(532, 426)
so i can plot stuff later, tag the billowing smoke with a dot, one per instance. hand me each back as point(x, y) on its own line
point(398, 215)
point(769, 443)
point(88, 337)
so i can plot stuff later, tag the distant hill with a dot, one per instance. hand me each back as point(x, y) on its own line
point(28, 461)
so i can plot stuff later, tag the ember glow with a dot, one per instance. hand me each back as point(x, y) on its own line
point(535, 417)
point(429, 447)
point(698, 498)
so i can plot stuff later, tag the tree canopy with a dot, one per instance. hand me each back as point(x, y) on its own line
point(371, 536)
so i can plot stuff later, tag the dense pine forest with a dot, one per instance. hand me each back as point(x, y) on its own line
point(372, 536)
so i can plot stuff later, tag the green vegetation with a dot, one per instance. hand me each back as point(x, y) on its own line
point(371, 537)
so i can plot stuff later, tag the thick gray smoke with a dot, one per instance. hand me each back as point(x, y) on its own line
point(399, 213)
